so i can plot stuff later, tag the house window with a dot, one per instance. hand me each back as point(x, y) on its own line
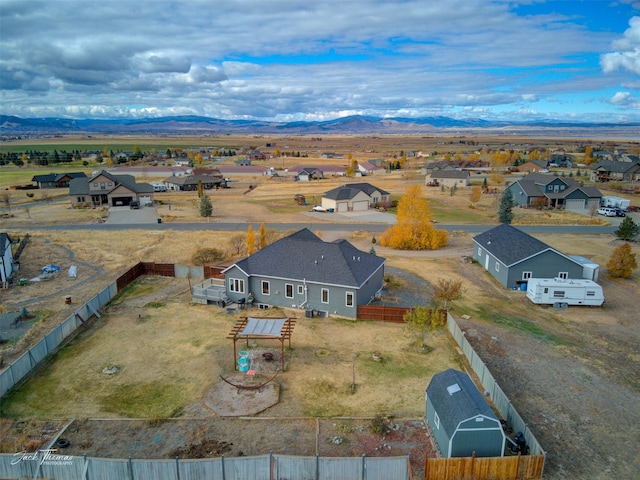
point(558, 294)
point(563, 275)
point(288, 290)
point(80, 199)
point(349, 299)
point(236, 285)
point(527, 275)
point(479, 252)
point(324, 294)
point(102, 186)
point(436, 420)
point(95, 184)
point(497, 267)
point(300, 289)
point(265, 287)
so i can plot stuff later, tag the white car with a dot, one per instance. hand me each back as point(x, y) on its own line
point(544, 170)
point(607, 211)
point(318, 208)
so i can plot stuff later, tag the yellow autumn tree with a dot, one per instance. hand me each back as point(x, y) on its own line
point(414, 229)
point(251, 241)
point(263, 236)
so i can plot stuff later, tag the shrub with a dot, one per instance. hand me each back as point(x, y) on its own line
point(207, 256)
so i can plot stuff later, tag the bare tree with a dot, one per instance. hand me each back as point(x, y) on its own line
point(6, 199)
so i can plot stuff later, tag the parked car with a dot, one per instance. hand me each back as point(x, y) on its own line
point(620, 212)
point(134, 205)
point(607, 211)
point(318, 208)
point(544, 170)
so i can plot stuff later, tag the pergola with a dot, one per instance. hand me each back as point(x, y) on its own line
point(250, 328)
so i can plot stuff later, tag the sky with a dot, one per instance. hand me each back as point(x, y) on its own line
point(290, 60)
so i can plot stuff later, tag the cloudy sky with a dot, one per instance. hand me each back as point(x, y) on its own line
point(321, 59)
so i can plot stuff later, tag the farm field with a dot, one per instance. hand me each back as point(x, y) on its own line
point(571, 374)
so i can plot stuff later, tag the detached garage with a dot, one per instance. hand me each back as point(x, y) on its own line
point(461, 420)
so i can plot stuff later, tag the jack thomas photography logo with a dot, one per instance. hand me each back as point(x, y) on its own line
point(47, 456)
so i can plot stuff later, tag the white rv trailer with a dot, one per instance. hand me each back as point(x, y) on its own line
point(621, 203)
point(549, 291)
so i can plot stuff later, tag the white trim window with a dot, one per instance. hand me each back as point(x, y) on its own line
point(497, 267)
point(300, 289)
point(288, 290)
point(563, 275)
point(527, 275)
point(479, 251)
point(324, 295)
point(236, 285)
point(266, 287)
point(436, 420)
point(349, 299)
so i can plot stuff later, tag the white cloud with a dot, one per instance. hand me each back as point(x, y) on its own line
point(627, 56)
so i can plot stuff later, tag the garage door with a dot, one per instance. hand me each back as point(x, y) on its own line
point(121, 201)
point(360, 206)
point(342, 207)
point(577, 204)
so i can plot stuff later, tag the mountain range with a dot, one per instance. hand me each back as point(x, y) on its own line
point(356, 124)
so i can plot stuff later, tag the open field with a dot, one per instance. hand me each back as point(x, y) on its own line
point(572, 374)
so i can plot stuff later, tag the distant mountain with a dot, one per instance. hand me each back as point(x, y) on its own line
point(356, 124)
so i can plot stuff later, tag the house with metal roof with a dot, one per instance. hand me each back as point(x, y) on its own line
point(537, 189)
point(354, 197)
point(105, 188)
point(304, 272)
point(55, 180)
point(512, 257)
point(461, 420)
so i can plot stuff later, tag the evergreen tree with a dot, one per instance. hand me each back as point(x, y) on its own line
point(206, 209)
point(627, 230)
point(505, 211)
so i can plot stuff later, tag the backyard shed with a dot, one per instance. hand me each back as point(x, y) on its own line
point(461, 420)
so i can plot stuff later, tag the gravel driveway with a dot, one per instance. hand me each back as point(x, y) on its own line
point(128, 216)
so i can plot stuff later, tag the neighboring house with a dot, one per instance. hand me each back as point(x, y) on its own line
point(449, 178)
point(462, 422)
point(190, 183)
point(354, 197)
point(302, 271)
point(55, 180)
point(331, 155)
point(537, 189)
point(105, 188)
point(310, 173)
point(243, 162)
point(512, 257)
point(368, 168)
point(533, 166)
point(324, 170)
point(616, 171)
point(238, 170)
point(6, 259)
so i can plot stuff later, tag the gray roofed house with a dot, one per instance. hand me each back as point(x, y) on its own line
point(512, 257)
point(461, 420)
point(55, 180)
point(105, 188)
point(354, 197)
point(190, 182)
point(449, 178)
point(537, 189)
point(302, 271)
point(617, 171)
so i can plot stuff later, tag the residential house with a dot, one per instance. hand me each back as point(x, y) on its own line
point(369, 168)
point(151, 171)
point(512, 257)
point(537, 189)
point(354, 197)
point(449, 178)
point(55, 180)
point(461, 421)
point(310, 173)
point(533, 166)
point(617, 171)
point(302, 271)
point(331, 155)
point(190, 183)
point(324, 171)
point(6, 259)
point(107, 189)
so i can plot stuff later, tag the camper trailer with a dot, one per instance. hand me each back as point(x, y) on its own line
point(615, 202)
point(551, 291)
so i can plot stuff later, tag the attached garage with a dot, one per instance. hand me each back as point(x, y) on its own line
point(574, 204)
point(461, 420)
point(361, 206)
point(120, 201)
point(342, 207)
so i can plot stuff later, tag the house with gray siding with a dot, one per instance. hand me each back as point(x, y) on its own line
point(537, 189)
point(461, 420)
point(6, 259)
point(512, 257)
point(302, 271)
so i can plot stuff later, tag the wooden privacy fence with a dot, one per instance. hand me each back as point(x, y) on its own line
point(167, 270)
point(390, 314)
point(490, 468)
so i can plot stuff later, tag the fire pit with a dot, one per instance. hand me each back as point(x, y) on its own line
point(268, 356)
